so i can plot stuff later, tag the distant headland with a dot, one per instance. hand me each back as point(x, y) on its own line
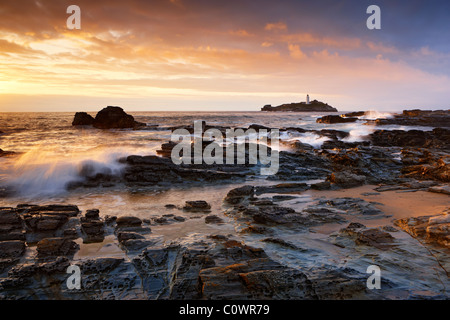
point(301, 107)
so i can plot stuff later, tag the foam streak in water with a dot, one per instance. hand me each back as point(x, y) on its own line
point(39, 173)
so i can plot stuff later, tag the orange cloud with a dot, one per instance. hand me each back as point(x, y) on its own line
point(276, 26)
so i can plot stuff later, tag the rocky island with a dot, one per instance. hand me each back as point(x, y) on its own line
point(313, 106)
point(107, 118)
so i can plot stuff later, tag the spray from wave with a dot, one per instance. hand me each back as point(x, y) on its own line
point(310, 138)
point(40, 173)
point(360, 133)
point(373, 114)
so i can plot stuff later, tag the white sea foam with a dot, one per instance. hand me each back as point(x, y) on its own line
point(310, 138)
point(373, 114)
point(39, 173)
point(359, 133)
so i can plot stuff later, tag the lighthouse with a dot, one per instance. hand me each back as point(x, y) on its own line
point(307, 99)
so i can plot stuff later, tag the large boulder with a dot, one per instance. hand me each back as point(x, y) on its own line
point(115, 118)
point(83, 119)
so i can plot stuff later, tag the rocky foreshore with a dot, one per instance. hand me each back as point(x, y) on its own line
point(39, 243)
point(281, 246)
point(437, 118)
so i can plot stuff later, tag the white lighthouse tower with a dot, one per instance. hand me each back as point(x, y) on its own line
point(307, 99)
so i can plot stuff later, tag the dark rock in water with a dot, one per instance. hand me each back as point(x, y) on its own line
point(213, 219)
point(325, 185)
point(332, 134)
point(125, 236)
point(152, 170)
point(197, 206)
point(128, 221)
point(347, 179)
point(237, 195)
point(6, 153)
point(93, 226)
point(438, 118)
point(258, 127)
point(354, 114)
point(414, 138)
point(335, 119)
point(256, 229)
point(110, 219)
point(353, 206)
point(166, 149)
point(282, 188)
point(92, 214)
point(108, 118)
point(301, 107)
point(83, 119)
point(280, 242)
point(56, 247)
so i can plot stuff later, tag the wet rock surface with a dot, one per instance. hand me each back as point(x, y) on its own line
point(201, 266)
point(273, 240)
point(438, 118)
point(336, 119)
point(431, 229)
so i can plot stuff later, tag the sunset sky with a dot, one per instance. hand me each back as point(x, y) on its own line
point(230, 55)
